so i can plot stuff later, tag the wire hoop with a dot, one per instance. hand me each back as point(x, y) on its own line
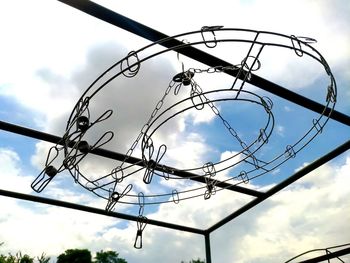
point(152, 164)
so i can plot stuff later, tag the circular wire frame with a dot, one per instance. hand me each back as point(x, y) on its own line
point(248, 149)
point(208, 37)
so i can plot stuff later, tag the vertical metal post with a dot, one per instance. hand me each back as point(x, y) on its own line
point(207, 247)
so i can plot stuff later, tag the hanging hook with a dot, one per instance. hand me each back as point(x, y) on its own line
point(141, 224)
point(48, 173)
point(289, 153)
point(244, 177)
point(210, 172)
point(115, 196)
point(152, 164)
point(297, 46)
point(211, 29)
point(141, 199)
point(176, 197)
point(131, 68)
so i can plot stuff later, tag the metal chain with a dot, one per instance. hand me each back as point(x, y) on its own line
point(215, 69)
point(196, 89)
point(128, 154)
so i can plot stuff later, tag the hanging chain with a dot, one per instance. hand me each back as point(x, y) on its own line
point(128, 154)
point(216, 69)
point(196, 89)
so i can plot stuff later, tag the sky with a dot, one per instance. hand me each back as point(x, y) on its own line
point(50, 53)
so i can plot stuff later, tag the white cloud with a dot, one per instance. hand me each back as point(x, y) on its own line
point(287, 109)
point(324, 21)
point(11, 175)
point(280, 130)
point(50, 230)
point(312, 213)
point(187, 151)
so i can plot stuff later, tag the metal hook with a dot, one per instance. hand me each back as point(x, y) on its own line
point(48, 173)
point(197, 94)
point(297, 46)
point(267, 103)
point(244, 177)
point(209, 169)
point(317, 125)
point(211, 29)
point(176, 197)
point(289, 152)
point(141, 200)
point(211, 188)
point(41, 181)
point(263, 136)
point(116, 171)
point(331, 94)
point(141, 224)
point(132, 68)
point(152, 164)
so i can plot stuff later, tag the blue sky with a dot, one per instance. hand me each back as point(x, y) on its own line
point(50, 53)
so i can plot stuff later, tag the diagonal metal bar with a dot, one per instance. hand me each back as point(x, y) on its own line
point(304, 171)
point(324, 250)
point(327, 257)
point(146, 32)
point(121, 157)
point(98, 211)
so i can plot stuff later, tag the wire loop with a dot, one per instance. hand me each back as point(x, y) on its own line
point(132, 67)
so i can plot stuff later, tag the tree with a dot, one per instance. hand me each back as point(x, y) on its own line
point(195, 261)
point(43, 258)
point(108, 257)
point(26, 259)
point(18, 258)
point(75, 256)
point(3, 259)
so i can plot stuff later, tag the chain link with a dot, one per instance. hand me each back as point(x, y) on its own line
point(159, 105)
point(216, 69)
point(197, 90)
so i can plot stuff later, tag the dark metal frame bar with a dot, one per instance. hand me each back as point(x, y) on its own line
point(207, 247)
point(98, 211)
point(301, 173)
point(328, 256)
point(134, 27)
point(109, 16)
point(329, 251)
point(119, 157)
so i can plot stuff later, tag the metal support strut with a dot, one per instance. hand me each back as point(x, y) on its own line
point(207, 248)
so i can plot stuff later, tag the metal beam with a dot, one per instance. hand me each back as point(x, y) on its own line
point(304, 171)
point(146, 32)
point(93, 210)
point(328, 256)
point(207, 248)
point(120, 157)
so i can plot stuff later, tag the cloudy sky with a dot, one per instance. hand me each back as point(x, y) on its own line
point(49, 55)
